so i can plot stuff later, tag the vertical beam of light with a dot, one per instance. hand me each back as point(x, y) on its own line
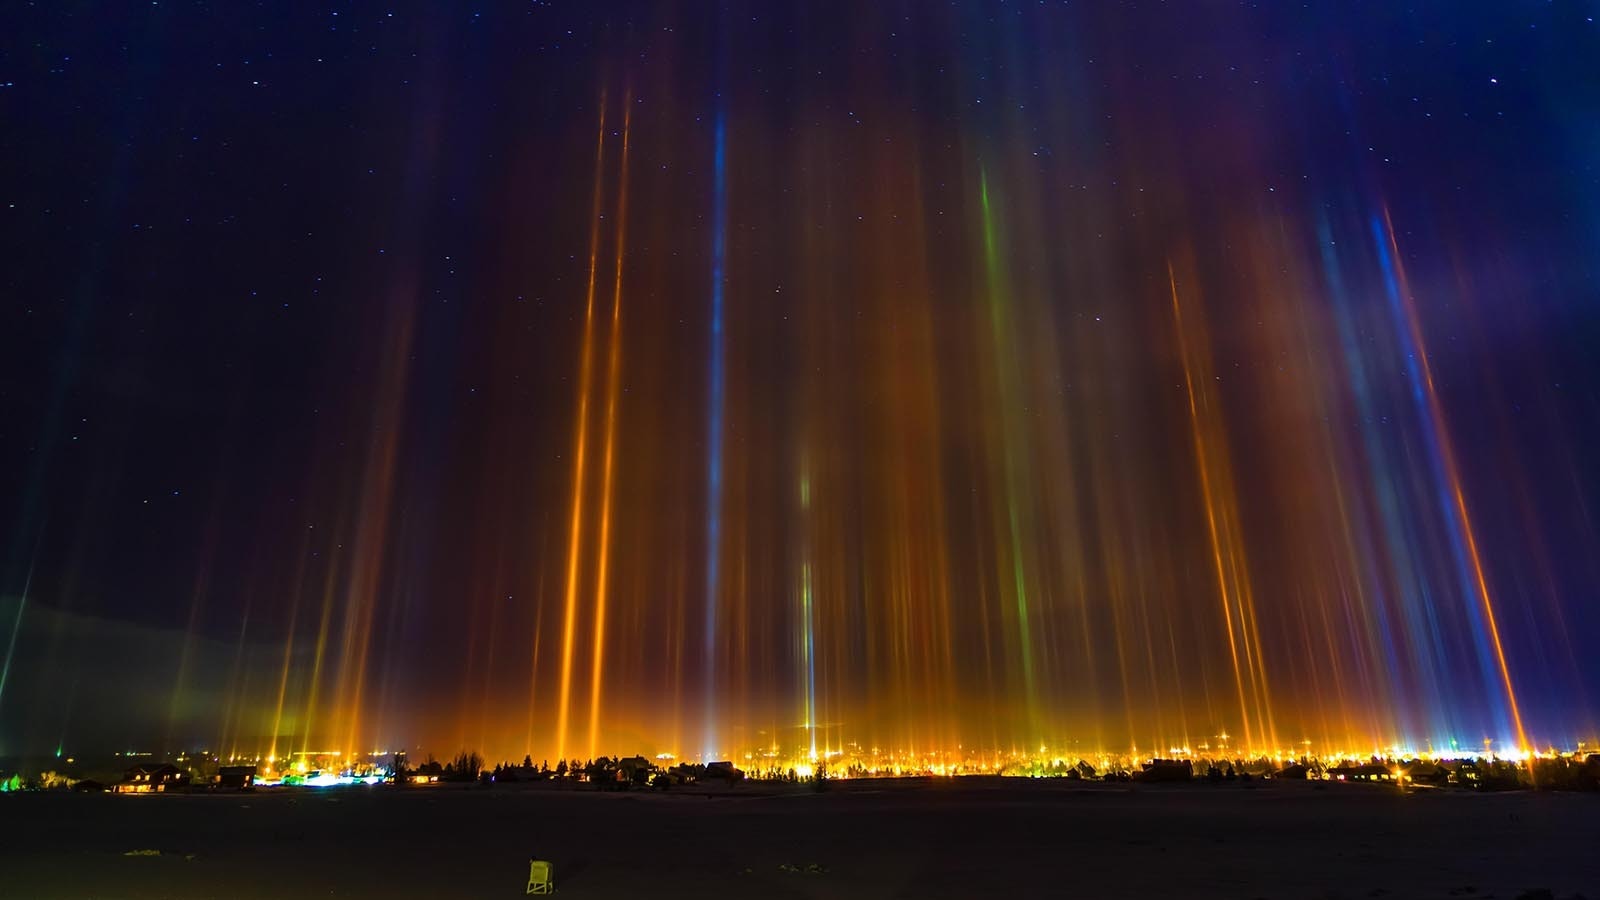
point(16, 629)
point(1421, 372)
point(613, 376)
point(283, 682)
point(533, 672)
point(719, 248)
point(319, 652)
point(379, 496)
point(807, 631)
point(1374, 606)
point(67, 359)
point(288, 649)
point(368, 567)
point(1000, 323)
point(238, 681)
point(489, 684)
point(580, 445)
point(197, 598)
point(1203, 464)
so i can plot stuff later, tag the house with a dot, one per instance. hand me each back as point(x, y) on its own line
point(152, 778)
point(686, 773)
point(235, 778)
point(1424, 772)
point(1292, 772)
point(724, 770)
point(1167, 770)
point(635, 763)
point(1485, 775)
point(1366, 772)
point(635, 769)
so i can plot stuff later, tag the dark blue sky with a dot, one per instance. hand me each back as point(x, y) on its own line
point(292, 330)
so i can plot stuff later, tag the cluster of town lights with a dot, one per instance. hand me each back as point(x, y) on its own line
point(322, 769)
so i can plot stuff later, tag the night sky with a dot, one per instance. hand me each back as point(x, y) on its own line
point(585, 377)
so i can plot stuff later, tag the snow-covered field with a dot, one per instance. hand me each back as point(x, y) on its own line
point(963, 838)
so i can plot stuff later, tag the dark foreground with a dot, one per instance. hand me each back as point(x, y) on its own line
point(866, 839)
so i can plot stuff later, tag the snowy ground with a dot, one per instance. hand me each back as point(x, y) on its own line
point(864, 839)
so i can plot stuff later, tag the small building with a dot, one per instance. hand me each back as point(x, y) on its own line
point(686, 773)
point(1424, 772)
point(151, 779)
point(1465, 773)
point(1485, 775)
point(1292, 772)
point(235, 778)
point(1366, 773)
point(724, 770)
point(1167, 770)
point(635, 763)
point(635, 769)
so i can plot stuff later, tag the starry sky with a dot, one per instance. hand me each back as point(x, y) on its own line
point(576, 377)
